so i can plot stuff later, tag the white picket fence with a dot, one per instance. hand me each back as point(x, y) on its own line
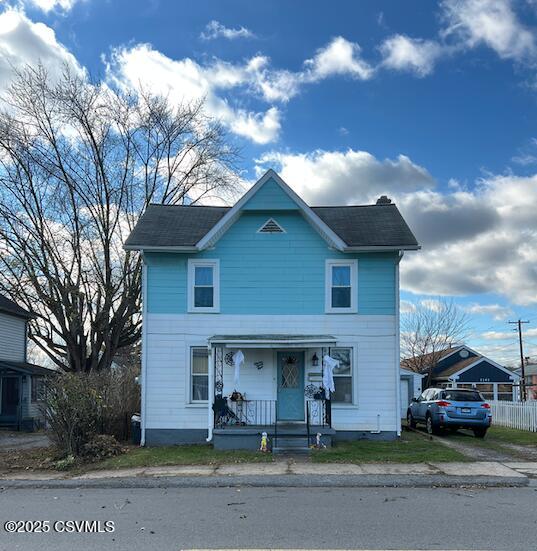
point(516, 415)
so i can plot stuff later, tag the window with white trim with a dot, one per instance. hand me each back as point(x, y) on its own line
point(203, 286)
point(199, 374)
point(342, 375)
point(341, 279)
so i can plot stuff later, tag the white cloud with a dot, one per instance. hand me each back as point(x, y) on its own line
point(24, 42)
point(215, 29)
point(407, 307)
point(432, 304)
point(403, 53)
point(506, 335)
point(340, 57)
point(349, 177)
point(51, 5)
point(496, 311)
point(489, 22)
point(475, 242)
point(186, 80)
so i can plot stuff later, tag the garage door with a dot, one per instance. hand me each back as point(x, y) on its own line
point(405, 397)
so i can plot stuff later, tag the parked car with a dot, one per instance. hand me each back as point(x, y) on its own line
point(450, 408)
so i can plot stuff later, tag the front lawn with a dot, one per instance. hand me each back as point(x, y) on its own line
point(511, 436)
point(198, 454)
point(410, 448)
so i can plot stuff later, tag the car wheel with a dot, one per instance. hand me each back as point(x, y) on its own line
point(480, 433)
point(410, 420)
point(431, 427)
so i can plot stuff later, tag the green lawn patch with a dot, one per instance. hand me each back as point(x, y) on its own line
point(180, 455)
point(410, 448)
point(512, 436)
point(500, 439)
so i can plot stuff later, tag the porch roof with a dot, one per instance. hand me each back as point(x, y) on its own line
point(25, 368)
point(273, 341)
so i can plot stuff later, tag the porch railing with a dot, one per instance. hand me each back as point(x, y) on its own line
point(319, 413)
point(230, 413)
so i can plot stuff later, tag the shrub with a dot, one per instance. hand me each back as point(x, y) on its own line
point(80, 406)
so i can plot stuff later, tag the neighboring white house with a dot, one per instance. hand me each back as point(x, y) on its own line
point(20, 381)
point(411, 387)
point(285, 285)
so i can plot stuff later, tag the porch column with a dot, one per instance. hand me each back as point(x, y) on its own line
point(210, 394)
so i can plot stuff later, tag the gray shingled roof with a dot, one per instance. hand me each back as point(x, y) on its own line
point(368, 225)
point(10, 307)
point(358, 226)
point(174, 225)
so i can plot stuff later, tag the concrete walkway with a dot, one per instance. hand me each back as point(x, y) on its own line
point(289, 473)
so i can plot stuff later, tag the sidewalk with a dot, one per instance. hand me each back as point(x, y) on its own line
point(289, 473)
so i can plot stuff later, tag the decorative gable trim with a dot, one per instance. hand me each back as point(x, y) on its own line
point(271, 226)
point(231, 216)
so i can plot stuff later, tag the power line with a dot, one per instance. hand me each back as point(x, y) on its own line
point(519, 323)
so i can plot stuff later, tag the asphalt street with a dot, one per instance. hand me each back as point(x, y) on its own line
point(317, 518)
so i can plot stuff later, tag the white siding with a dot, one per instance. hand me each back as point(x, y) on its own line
point(169, 338)
point(12, 338)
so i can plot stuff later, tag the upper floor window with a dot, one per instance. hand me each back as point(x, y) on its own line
point(341, 279)
point(203, 286)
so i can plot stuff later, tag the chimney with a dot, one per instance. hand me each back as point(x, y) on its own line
point(384, 200)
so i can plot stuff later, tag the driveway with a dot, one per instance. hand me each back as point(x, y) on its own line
point(23, 440)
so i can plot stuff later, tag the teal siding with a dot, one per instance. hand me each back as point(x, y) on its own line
point(280, 273)
point(270, 197)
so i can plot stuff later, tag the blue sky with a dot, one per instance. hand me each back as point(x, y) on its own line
point(432, 103)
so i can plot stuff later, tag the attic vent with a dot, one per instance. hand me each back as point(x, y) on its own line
point(270, 226)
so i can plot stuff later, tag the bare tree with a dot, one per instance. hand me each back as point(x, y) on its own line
point(79, 162)
point(432, 327)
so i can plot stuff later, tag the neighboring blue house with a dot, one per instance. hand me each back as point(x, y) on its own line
point(286, 285)
point(463, 367)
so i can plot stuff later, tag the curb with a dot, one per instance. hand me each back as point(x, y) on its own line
point(288, 480)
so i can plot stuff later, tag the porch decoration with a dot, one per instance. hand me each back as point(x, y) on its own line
point(238, 360)
point(311, 390)
point(264, 442)
point(259, 364)
point(329, 365)
point(290, 360)
point(229, 359)
point(318, 442)
point(315, 360)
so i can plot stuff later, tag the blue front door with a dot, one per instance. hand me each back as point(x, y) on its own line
point(290, 386)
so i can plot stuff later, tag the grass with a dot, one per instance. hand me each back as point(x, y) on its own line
point(512, 436)
point(499, 439)
point(410, 448)
point(180, 455)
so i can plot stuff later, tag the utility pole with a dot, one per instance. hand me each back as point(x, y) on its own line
point(519, 323)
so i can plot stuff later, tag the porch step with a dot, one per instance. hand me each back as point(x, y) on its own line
point(291, 442)
point(291, 451)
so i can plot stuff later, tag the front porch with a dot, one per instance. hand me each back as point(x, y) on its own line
point(277, 389)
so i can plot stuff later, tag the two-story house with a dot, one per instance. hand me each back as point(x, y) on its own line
point(20, 381)
point(250, 311)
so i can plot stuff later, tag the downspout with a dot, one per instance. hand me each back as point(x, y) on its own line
point(144, 352)
point(397, 347)
point(210, 413)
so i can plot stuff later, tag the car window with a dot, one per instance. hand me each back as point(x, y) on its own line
point(423, 396)
point(464, 396)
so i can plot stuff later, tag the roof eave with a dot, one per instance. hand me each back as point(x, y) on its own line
point(162, 249)
point(369, 248)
